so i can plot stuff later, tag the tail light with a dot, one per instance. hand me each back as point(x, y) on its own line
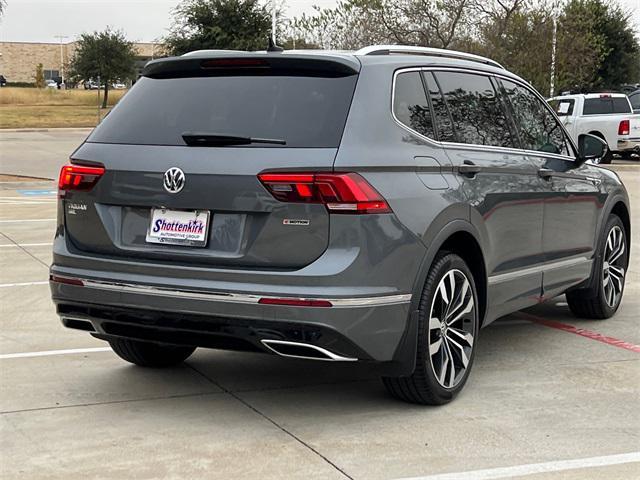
point(340, 192)
point(77, 177)
point(623, 128)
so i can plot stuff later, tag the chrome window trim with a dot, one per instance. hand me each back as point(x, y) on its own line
point(473, 146)
point(505, 277)
point(230, 297)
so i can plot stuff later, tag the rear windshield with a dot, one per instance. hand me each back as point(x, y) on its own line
point(606, 105)
point(303, 111)
point(563, 108)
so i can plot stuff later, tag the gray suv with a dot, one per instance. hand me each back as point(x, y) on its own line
point(378, 206)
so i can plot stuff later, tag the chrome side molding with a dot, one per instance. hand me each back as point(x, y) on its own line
point(280, 347)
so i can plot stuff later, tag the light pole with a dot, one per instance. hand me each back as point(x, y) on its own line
point(60, 38)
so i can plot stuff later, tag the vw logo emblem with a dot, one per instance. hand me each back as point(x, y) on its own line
point(174, 180)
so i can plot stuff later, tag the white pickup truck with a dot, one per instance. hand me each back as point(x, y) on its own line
point(607, 115)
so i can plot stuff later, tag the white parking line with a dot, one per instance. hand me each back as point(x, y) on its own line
point(29, 220)
point(535, 468)
point(23, 284)
point(18, 245)
point(47, 353)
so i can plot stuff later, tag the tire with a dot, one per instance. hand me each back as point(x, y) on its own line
point(147, 354)
point(597, 302)
point(433, 382)
point(608, 157)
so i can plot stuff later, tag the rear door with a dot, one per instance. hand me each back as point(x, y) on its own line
point(499, 180)
point(156, 180)
point(572, 197)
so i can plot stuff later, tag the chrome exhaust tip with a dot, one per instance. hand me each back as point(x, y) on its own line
point(304, 350)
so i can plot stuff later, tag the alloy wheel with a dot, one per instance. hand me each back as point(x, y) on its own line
point(452, 328)
point(613, 266)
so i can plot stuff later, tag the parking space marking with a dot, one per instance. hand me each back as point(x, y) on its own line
point(536, 468)
point(47, 353)
point(583, 332)
point(23, 284)
point(29, 220)
point(20, 245)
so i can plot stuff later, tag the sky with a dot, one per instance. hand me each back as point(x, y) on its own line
point(142, 20)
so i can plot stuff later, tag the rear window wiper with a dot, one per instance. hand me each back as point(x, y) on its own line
point(203, 139)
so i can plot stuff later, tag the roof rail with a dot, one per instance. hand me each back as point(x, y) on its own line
point(427, 51)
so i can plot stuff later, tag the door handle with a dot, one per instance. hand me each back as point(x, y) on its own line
point(545, 173)
point(468, 169)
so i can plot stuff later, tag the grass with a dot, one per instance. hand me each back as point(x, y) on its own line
point(50, 108)
point(48, 116)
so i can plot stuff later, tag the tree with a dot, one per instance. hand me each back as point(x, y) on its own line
point(39, 76)
point(218, 24)
point(3, 6)
point(610, 27)
point(106, 55)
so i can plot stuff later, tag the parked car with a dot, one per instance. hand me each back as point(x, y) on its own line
point(380, 206)
point(606, 115)
point(51, 84)
point(119, 86)
point(92, 85)
point(634, 99)
point(3, 81)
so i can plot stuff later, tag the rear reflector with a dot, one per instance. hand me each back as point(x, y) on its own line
point(66, 280)
point(295, 302)
point(623, 128)
point(340, 192)
point(77, 177)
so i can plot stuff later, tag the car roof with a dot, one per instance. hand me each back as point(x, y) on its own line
point(589, 95)
point(393, 56)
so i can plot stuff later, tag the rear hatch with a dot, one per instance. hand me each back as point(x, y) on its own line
point(182, 152)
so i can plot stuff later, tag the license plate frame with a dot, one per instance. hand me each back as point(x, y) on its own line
point(185, 238)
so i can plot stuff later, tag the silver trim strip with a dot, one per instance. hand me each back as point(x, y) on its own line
point(237, 297)
point(331, 357)
point(505, 277)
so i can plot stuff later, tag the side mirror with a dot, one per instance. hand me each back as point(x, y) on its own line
point(590, 147)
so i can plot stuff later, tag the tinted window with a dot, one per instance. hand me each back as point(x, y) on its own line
point(563, 108)
point(444, 125)
point(410, 104)
point(635, 100)
point(303, 111)
point(477, 114)
point(621, 105)
point(606, 105)
point(597, 106)
point(537, 128)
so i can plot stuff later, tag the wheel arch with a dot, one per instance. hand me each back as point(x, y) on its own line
point(459, 237)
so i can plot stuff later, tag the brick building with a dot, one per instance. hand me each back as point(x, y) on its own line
point(18, 60)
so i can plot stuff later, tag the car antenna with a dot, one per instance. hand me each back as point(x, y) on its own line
point(273, 47)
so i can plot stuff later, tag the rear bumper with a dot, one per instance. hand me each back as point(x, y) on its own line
point(353, 328)
point(629, 145)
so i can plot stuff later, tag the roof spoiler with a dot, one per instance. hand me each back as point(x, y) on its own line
point(226, 63)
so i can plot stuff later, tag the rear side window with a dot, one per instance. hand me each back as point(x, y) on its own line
point(304, 111)
point(537, 128)
point(476, 111)
point(563, 108)
point(410, 104)
point(606, 105)
point(635, 100)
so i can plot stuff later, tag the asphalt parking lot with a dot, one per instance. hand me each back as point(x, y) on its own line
point(545, 400)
